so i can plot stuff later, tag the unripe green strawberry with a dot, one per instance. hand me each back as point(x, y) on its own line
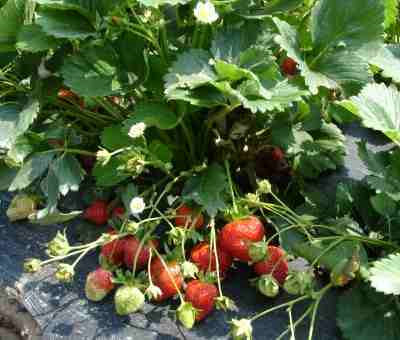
point(98, 284)
point(298, 283)
point(186, 314)
point(258, 251)
point(128, 300)
point(268, 286)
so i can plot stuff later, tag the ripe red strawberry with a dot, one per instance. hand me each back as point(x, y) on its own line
point(200, 255)
point(118, 212)
point(70, 96)
point(277, 154)
point(275, 264)
point(66, 94)
point(186, 217)
point(167, 280)
point(202, 296)
point(97, 213)
point(88, 163)
point(56, 143)
point(289, 67)
point(112, 253)
point(131, 247)
point(98, 284)
point(237, 236)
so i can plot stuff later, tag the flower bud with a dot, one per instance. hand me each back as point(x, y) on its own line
point(268, 286)
point(186, 314)
point(65, 272)
point(32, 265)
point(128, 300)
point(59, 246)
point(241, 329)
point(264, 187)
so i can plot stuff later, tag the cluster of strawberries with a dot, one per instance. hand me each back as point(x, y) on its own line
point(239, 240)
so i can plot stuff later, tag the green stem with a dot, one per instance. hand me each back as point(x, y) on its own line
point(164, 42)
point(73, 151)
point(214, 240)
point(228, 173)
point(189, 139)
point(283, 305)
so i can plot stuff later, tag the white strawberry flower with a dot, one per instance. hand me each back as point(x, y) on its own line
point(205, 12)
point(137, 205)
point(137, 130)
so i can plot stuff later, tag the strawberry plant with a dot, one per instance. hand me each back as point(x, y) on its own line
point(195, 131)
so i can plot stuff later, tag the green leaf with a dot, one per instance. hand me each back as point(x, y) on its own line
point(113, 138)
point(21, 149)
point(43, 217)
point(385, 170)
point(391, 12)
point(157, 3)
point(375, 162)
point(50, 187)
point(385, 275)
point(273, 7)
point(8, 125)
point(87, 8)
point(7, 175)
point(160, 151)
point(208, 189)
point(94, 72)
point(379, 108)
point(14, 121)
point(388, 59)
point(12, 16)
point(64, 24)
point(69, 173)
point(190, 70)
point(325, 151)
point(339, 23)
point(152, 114)
point(384, 205)
point(297, 244)
point(31, 38)
point(27, 116)
point(31, 170)
point(363, 314)
point(330, 69)
point(283, 95)
point(110, 174)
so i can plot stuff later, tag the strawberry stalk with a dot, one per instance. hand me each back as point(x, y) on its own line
point(213, 248)
point(228, 173)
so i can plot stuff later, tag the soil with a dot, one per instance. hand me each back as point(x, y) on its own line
point(15, 321)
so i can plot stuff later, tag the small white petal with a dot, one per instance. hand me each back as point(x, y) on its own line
point(137, 130)
point(205, 12)
point(137, 205)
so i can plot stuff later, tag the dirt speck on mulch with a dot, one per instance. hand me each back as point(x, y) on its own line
point(15, 321)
